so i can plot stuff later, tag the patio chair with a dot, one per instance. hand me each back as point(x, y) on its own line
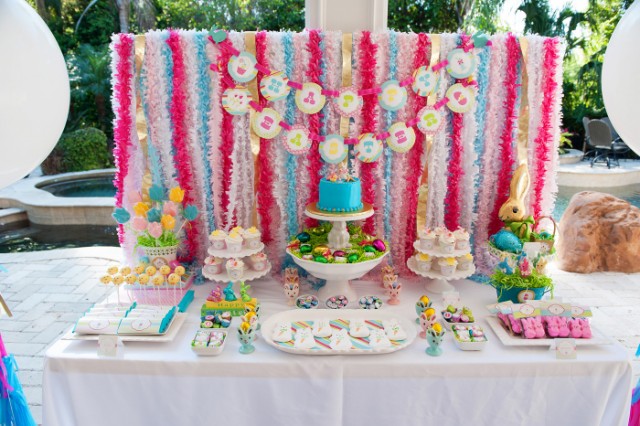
point(600, 138)
point(588, 149)
point(618, 144)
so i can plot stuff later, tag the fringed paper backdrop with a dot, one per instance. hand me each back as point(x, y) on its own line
point(193, 142)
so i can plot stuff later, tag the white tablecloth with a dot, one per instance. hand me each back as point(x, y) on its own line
point(166, 383)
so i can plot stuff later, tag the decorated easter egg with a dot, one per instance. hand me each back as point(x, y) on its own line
point(321, 250)
point(245, 326)
point(303, 237)
point(179, 270)
point(424, 299)
point(125, 270)
point(379, 245)
point(105, 279)
point(151, 270)
point(165, 270)
point(339, 253)
point(437, 328)
point(507, 241)
point(143, 279)
point(369, 249)
point(305, 248)
point(352, 258)
point(318, 230)
point(321, 259)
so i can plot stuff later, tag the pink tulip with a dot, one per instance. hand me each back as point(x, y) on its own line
point(170, 208)
point(155, 229)
point(134, 197)
point(139, 223)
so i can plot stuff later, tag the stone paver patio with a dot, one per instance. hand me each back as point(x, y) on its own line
point(47, 292)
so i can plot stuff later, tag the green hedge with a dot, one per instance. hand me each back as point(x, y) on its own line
point(80, 150)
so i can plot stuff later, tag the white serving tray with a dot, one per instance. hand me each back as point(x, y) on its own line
point(436, 252)
point(508, 340)
point(211, 350)
point(168, 335)
point(226, 254)
point(248, 275)
point(330, 314)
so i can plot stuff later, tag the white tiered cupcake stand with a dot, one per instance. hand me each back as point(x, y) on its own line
point(439, 283)
point(244, 254)
point(338, 275)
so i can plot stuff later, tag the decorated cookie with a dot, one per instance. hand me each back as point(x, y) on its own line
point(321, 328)
point(348, 103)
point(296, 140)
point(401, 138)
point(395, 332)
point(242, 67)
point(332, 149)
point(368, 149)
point(378, 339)
point(358, 328)
point(235, 100)
point(266, 123)
point(304, 339)
point(461, 98)
point(282, 332)
point(310, 99)
point(430, 120)
point(340, 340)
point(461, 64)
point(274, 86)
point(425, 81)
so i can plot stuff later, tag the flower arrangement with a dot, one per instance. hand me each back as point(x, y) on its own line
point(155, 221)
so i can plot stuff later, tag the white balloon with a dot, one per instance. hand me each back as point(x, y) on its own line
point(621, 78)
point(34, 90)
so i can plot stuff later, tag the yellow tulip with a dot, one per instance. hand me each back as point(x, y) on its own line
point(176, 195)
point(168, 222)
point(141, 209)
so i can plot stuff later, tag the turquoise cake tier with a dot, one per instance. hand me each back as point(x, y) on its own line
point(340, 196)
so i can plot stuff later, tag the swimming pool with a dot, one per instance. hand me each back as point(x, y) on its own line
point(97, 186)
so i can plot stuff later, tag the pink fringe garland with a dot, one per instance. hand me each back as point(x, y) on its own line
point(315, 161)
point(183, 155)
point(123, 124)
point(506, 140)
point(226, 132)
point(367, 62)
point(544, 140)
point(415, 155)
point(265, 172)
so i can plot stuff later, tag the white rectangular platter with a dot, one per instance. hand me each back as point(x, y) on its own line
point(168, 335)
point(339, 319)
point(508, 340)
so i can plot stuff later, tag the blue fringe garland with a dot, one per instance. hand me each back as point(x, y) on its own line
point(290, 117)
point(388, 153)
point(168, 67)
point(204, 98)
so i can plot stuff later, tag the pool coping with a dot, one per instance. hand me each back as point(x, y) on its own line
point(581, 175)
point(44, 208)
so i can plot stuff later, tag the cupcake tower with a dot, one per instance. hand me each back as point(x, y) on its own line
point(235, 256)
point(442, 255)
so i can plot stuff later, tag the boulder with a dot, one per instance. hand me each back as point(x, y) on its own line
point(599, 232)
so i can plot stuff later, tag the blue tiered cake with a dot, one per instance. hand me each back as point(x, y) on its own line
point(340, 196)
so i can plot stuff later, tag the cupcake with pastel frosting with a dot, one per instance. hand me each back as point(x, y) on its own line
point(465, 262)
point(213, 265)
point(462, 239)
point(234, 242)
point(447, 265)
point(252, 237)
point(447, 242)
point(259, 262)
point(235, 268)
point(217, 239)
point(428, 239)
point(424, 262)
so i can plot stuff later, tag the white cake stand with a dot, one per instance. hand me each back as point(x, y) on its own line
point(338, 275)
point(439, 283)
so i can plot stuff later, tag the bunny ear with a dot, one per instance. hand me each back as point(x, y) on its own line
point(520, 183)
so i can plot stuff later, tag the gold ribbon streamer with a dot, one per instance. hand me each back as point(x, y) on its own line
point(250, 46)
point(423, 193)
point(523, 120)
point(141, 124)
point(347, 52)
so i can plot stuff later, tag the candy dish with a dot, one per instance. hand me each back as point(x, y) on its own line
point(370, 302)
point(469, 337)
point(452, 316)
point(213, 345)
point(337, 302)
point(307, 301)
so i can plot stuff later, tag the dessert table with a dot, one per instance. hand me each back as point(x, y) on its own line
point(166, 383)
